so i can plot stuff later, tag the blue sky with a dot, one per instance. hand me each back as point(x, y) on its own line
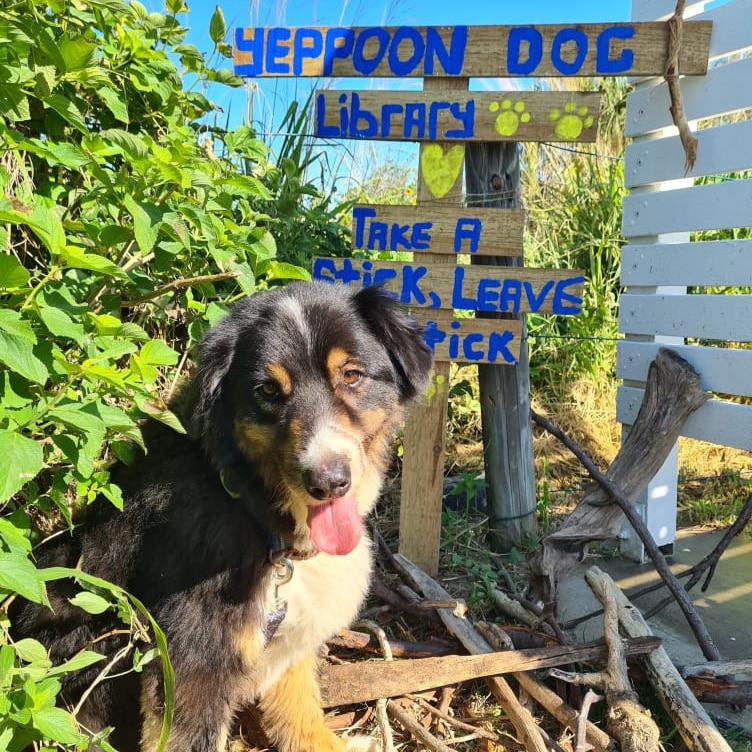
point(407, 12)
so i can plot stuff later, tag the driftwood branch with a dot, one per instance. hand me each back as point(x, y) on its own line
point(689, 717)
point(679, 115)
point(672, 393)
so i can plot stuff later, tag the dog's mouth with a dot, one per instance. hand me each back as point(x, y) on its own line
point(335, 525)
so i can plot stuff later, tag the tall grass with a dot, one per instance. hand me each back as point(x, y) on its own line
point(573, 205)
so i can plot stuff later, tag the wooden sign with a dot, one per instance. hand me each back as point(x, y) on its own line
point(471, 340)
point(465, 116)
point(440, 229)
point(495, 289)
point(610, 49)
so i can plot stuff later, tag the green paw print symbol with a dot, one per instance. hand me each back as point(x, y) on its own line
point(512, 114)
point(570, 123)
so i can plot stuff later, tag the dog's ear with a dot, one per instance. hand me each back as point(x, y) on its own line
point(207, 401)
point(401, 335)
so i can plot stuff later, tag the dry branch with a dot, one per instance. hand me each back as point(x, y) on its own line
point(679, 115)
point(689, 717)
point(412, 726)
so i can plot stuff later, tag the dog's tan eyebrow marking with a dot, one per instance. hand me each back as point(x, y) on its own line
point(281, 375)
point(336, 358)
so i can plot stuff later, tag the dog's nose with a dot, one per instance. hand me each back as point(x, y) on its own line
point(329, 480)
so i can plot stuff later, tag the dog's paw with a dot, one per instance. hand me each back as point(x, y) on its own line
point(362, 744)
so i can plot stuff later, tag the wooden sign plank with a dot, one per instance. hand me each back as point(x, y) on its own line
point(462, 116)
point(438, 229)
point(474, 341)
point(502, 289)
point(603, 49)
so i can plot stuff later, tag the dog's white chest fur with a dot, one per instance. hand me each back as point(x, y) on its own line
point(323, 596)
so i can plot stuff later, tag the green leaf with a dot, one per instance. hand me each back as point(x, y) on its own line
point(115, 104)
point(227, 77)
point(68, 155)
point(13, 275)
point(284, 270)
point(22, 460)
point(162, 415)
point(56, 724)
point(217, 26)
point(7, 661)
point(19, 575)
point(77, 52)
point(16, 352)
point(67, 110)
point(78, 418)
point(11, 322)
point(84, 659)
point(13, 103)
point(60, 324)
point(132, 146)
point(15, 538)
point(77, 258)
point(157, 353)
point(146, 221)
point(42, 219)
point(32, 651)
point(90, 602)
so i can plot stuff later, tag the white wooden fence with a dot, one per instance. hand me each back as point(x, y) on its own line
point(662, 259)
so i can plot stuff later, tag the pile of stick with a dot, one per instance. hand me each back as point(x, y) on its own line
point(398, 686)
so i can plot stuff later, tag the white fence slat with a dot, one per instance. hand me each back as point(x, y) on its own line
point(720, 150)
point(701, 207)
point(732, 27)
point(725, 318)
point(723, 263)
point(721, 370)
point(723, 423)
point(658, 10)
point(723, 90)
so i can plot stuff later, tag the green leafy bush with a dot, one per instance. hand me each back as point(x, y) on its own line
point(128, 221)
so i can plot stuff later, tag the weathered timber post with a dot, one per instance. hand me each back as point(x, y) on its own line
point(492, 177)
point(425, 430)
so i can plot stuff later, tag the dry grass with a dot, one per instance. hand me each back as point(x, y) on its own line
point(713, 480)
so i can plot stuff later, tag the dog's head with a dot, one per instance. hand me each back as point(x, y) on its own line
point(303, 387)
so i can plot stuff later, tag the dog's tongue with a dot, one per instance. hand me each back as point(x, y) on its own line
point(335, 526)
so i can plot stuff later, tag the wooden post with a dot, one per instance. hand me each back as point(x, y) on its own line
point(492, 176)
point(425, 430)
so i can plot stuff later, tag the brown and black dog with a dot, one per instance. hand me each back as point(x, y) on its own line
point(244, 538)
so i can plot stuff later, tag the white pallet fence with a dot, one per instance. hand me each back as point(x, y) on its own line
point(662, 259)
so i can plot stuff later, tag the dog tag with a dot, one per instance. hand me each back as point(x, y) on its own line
point(283, 572)
point(273, 620)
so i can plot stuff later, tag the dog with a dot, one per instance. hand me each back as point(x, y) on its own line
point(244, 537)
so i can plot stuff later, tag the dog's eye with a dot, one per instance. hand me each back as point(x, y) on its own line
point(269, 390)
point(352, 377)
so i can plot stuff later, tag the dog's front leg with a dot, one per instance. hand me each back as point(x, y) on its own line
point(293, 719)
point(201, 720)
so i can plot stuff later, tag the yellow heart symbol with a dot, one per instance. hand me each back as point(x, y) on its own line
point(440, 170)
